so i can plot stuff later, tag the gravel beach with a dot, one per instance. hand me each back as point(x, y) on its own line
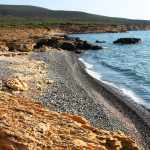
point(77, 93)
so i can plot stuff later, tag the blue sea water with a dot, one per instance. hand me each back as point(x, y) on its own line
point(125, 67)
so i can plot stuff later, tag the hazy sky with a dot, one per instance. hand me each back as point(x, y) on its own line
point(132, 9)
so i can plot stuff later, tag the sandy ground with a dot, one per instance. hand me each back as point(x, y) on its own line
point(59, 81)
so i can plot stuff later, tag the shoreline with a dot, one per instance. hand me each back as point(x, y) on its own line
point(137, 107)
point(112, 111)
point(77, 93)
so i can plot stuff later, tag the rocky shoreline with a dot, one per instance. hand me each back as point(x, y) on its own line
point(72, 90)
point(33, 41)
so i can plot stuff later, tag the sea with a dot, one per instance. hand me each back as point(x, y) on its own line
point(125, 68)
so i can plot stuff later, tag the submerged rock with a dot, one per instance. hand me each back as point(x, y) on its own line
point(100, 41)
point(127, 41)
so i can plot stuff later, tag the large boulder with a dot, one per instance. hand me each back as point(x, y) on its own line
point(127, 41)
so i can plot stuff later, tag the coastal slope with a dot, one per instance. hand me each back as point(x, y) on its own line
point(20, 16)
point(71, 90)
point(78, 93)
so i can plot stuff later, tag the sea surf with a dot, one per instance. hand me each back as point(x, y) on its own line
point(125, 68)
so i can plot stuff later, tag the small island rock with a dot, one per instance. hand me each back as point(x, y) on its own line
point(127, 41)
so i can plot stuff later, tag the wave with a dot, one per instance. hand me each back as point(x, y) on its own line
point(126, 72)
point(123, 91)
point(87, 65)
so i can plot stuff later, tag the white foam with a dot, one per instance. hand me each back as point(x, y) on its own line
point(87, 65)
point(94, 74)
point(128, 93)
point(105, 47)
point(134, 97)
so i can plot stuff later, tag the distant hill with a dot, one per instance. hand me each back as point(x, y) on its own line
point(11, 15)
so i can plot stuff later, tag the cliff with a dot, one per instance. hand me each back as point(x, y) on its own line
point(99, 29)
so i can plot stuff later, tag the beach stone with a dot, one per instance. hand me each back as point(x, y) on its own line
point(127, 41)
point(16, 84)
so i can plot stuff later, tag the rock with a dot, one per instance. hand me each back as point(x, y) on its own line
point(77, 118)
point(100, 41)
point(40, 88)
point(127, 41)
point(87, 45)
point(49, 81)
point(22, 46)
point(79, 45)
point(28, 124)
point(16, 84)
point(8, 55)
point(80, 51)
point(45, 48)
point(95, 47)
point(28, 41)
point(5, 48)
point(68, 45)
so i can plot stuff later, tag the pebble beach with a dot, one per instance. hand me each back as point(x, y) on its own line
point(77, 93)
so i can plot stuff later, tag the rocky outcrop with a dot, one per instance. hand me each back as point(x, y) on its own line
point(127, 41)
point(27, 41)
point(20, 40)
point(67, 43)
point(26, 124)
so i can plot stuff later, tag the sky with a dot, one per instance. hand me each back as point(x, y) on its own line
point(131, 9)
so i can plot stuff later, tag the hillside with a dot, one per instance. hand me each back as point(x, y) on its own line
point(32, 16)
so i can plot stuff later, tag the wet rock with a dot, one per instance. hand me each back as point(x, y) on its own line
point(127, 41)
point(100, 41)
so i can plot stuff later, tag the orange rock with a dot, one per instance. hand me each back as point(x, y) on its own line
point(77, 118)
point(16, 84)
point(26, 124)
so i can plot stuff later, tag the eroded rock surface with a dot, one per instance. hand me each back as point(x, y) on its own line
point(16, 84)
point(26, 124)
